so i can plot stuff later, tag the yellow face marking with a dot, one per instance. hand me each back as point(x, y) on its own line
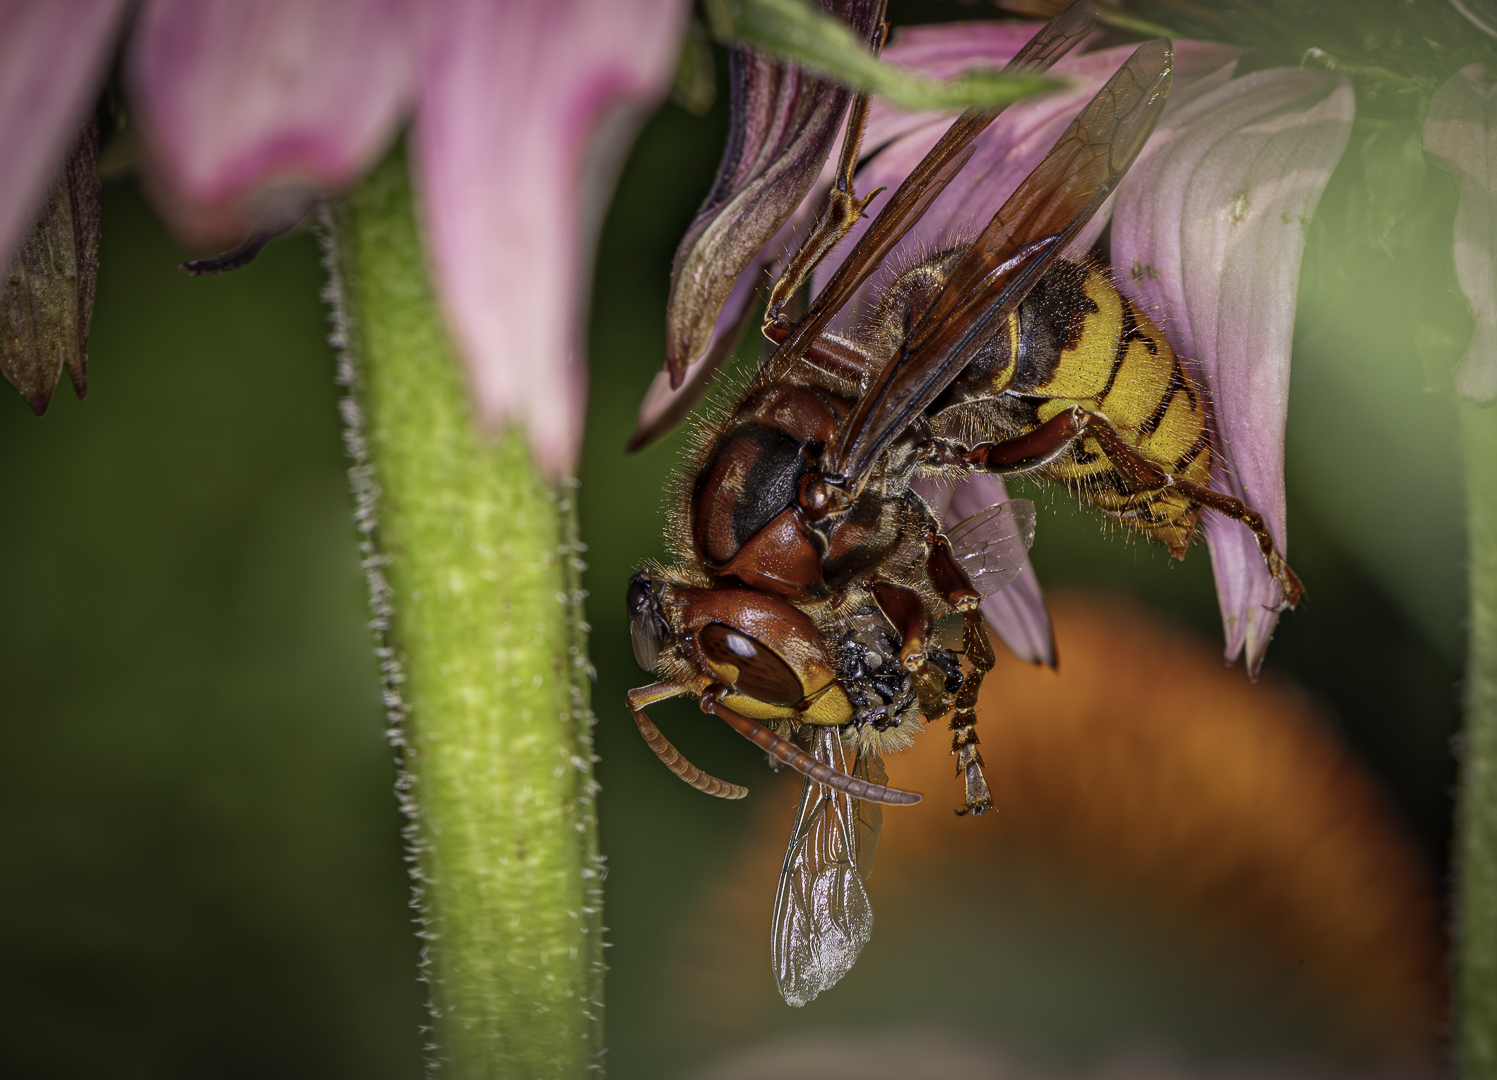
point(755, 709)
point(831, 707)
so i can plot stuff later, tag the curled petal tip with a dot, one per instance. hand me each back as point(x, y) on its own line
point(1460, 132)
point(1019, 617)
point(1260, 633)
point(669, 400)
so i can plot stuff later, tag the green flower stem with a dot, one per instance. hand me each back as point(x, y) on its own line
point(1477, 889)
point(473, 569)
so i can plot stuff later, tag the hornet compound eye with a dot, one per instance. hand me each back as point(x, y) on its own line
point(761, 673)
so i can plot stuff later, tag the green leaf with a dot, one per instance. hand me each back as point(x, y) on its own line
point(818, 42)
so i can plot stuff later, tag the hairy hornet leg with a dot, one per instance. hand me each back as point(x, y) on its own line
point(673, 759)
point(957, 591)
point(1237, 510)
point(1048, 441)
point(906, 612)
point(843, 208)
point(798, 759)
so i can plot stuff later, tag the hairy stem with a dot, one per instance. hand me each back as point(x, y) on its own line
point(473, 568)
point(1476, 902)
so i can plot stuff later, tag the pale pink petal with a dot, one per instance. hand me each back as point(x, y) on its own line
point(54, 55)
point(1460, 132)
point(526, 108)
point(1210, 228)
point(252, 108)
point(1017, 612)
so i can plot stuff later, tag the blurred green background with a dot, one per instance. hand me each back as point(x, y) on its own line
point(206, 877)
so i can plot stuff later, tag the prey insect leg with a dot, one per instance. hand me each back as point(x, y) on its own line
point(673, 759)
point(843, 208)
point(799, 760)
point(904, 609)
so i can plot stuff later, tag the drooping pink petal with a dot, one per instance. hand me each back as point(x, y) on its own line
point(1017, 612)
point(54, 55)
point(525, 110)
point(1210, 228)
point(1460, 132)
point(252, 108)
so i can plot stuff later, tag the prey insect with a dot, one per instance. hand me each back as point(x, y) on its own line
point(808, 576)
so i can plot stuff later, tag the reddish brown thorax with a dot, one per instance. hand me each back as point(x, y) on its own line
point(746, 519)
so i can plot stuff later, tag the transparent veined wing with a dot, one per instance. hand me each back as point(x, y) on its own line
point(993, 544)
point(868, 815)
point(822, 917)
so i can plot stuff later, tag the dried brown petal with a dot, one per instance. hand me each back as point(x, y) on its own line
point(784, 125)
point(49, 291)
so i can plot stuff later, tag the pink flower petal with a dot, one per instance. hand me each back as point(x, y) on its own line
point(53, 57)
point(252, 108)
point(1017, 612)
point(1460, 132)
point(525, 111)
point(1211, 227)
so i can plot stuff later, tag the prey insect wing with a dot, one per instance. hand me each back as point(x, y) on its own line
point(992, 545)
point(822, 916)
point(913, 197)
point(1021, 242)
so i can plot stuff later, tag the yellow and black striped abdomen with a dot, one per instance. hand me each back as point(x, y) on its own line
point(1086, 344)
